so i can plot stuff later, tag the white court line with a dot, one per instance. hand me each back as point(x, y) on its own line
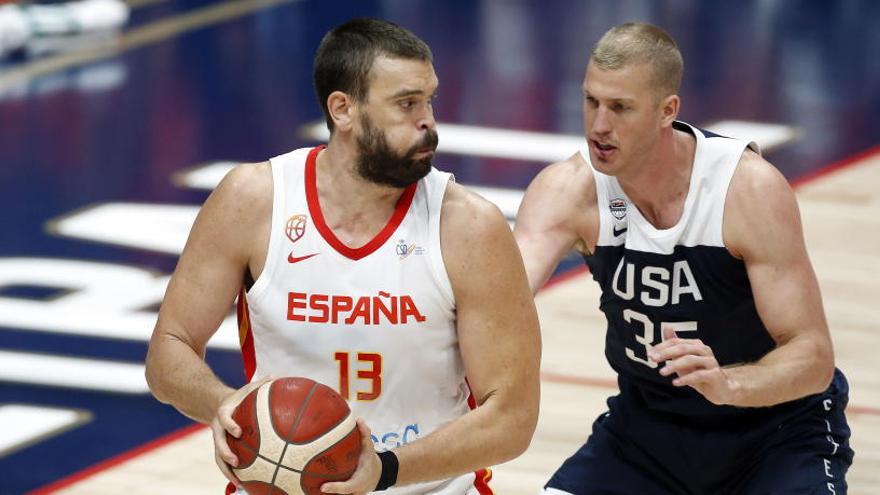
point(68, 372)
point(768, 136)
point(104, 300)
point(155, 227)
point(24, 425)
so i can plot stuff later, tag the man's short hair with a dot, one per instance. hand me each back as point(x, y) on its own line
point(347, 52)
point(636, 43)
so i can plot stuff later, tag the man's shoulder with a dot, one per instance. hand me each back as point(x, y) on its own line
point(756, 178)
point(569, 179)
point(565, 187)
point(476, 241)
point(248, 182)
point(574, 171)
point(758, 190)
point(246, 192)
point(466, 208)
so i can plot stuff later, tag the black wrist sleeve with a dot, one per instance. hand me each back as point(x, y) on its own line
point(389, 470)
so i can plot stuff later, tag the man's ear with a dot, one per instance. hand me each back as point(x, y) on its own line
point(341, 109)
point(669, 110)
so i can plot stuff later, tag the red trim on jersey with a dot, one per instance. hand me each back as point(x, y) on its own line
point(400, 210)
point(246, 336)
point(483, 476)
point(246, 341)
point(481, 483)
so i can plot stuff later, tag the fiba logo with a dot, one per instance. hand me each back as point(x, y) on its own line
point(296, 227)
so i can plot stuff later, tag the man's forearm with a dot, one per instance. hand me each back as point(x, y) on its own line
point(796, 369)
point(178, 376)
point(479, 439)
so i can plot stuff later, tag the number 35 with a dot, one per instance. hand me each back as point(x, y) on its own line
point(646, 337)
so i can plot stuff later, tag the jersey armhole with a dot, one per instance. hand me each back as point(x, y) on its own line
point(722, 208)
point(603, 217)
point(435, 194)
point(271, 260)
point(603, 205)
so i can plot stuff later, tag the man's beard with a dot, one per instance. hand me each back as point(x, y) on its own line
point(379, 164)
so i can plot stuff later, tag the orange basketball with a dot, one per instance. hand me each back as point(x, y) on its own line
point(296, 434)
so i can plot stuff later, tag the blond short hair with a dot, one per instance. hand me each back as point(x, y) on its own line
point(637, 43)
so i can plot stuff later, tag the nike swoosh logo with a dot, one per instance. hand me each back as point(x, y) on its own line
point(618, 232)
point(296, 259)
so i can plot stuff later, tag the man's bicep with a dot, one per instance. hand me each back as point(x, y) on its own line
point(199, 296)
point(544, 232)
point(783, 282)
point(210, 271)
point(497, 322)
point(786, 293)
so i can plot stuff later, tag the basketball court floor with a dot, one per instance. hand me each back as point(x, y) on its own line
point(106, 152)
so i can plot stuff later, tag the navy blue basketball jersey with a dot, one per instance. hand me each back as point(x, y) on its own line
point(682, 277)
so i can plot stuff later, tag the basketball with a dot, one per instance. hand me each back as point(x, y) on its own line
point(296, 434)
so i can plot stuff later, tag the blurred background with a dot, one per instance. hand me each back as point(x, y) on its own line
point(118, 117)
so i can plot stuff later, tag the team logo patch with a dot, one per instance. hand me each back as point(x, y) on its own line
point(404, 250)
point(618, 208)
point(295, 229)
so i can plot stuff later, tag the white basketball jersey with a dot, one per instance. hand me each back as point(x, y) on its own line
point(376, 323)
point(700, 224)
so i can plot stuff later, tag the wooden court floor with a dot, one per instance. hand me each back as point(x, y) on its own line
point(841, 213)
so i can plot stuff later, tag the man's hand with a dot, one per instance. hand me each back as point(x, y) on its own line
point(366, 476)
point(696, 366)
point(223, 424)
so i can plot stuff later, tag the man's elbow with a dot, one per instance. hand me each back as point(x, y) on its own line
point(154, 376)
point(523, 440)
point(153, 383)
point(518, 434)
point(827, 374)
point(823, 366)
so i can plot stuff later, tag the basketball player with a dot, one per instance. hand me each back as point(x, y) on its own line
point(715, 322)
point(362, 267)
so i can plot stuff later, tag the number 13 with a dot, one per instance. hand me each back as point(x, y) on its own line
point(373, 374)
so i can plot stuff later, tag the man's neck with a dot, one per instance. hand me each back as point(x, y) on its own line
point(660, 187)
point(350, 203)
